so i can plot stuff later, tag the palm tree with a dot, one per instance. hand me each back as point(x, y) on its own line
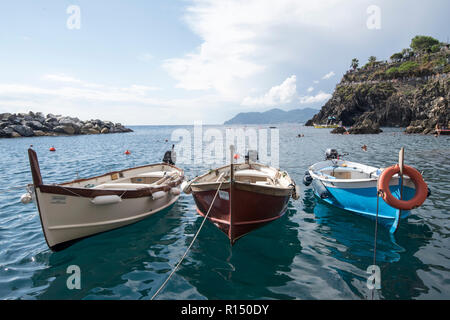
point(355, 63)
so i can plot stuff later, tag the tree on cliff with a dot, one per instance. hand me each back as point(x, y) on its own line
point(420, 43)
point(397, 57)
point(355, 63)
point(372, 59)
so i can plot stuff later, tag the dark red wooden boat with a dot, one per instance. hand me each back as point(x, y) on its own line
point(251, 195)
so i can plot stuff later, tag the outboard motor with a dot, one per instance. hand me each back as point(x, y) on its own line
point(252, 155)
point(307, 179)
point(170, 157)
point(331, 154)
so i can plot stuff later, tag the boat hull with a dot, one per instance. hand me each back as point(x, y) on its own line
point(250, 208)
point(67, 218)
point(362, 200)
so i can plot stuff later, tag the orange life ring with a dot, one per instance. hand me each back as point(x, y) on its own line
point(421, 188)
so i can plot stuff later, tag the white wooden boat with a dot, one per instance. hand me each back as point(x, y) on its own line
point(74, 210)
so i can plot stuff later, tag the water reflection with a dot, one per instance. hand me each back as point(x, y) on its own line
point(250, 269)
point(119, 264)
point(395, 253)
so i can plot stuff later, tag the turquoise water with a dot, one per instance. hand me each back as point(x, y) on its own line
point(315, 251)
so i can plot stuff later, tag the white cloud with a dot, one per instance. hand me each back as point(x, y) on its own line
point(320, 97)
point(316, 81)
point(310, 89)
point(87, 100)
point(328, 75)
point(241, 40)
point(281, 94)
point(60, 78)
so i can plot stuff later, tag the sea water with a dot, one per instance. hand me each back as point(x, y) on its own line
point(314, 251)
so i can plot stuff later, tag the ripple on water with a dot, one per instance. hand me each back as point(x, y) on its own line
point(314, 252)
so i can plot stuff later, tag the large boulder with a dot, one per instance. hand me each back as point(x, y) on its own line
point(39, 133)
point(339, 130)
point(4, 116)
point(4, 134)
point(366, 127)
point(24, 131)
point(89, 131)
point(15, 135)
point(36, 125)
point(65, 129)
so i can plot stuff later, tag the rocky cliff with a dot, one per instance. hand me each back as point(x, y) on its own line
point(36, 124)
point(412, 93)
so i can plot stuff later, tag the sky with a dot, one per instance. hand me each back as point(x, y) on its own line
point(171, 62)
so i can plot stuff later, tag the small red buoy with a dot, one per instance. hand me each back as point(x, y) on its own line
point(127, 152)
point(236, 156)
point(52, 149)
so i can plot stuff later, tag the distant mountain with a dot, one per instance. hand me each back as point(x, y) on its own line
point(273, 116)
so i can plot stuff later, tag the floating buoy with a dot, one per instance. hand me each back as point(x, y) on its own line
point(236, 156)
point(127, 152)
point(52, 149)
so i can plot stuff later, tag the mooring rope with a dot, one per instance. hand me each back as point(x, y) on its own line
point(189, 247)
point(375, 237)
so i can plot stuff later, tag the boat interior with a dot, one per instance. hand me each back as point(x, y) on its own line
point(339, 173)
point(345, 170)
point(247, 173)
point(131, 179)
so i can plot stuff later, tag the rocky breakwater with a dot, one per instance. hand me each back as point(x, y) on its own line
point(36, 124)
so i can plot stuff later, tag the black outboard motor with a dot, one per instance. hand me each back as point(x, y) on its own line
point(307, 179)
point(170, 156)
point(331, 154)
point(252, 155)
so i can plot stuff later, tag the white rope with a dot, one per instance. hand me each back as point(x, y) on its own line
point(190, 245)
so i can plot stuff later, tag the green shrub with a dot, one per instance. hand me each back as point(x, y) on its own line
point(419, 43)
point(397, 56)
point(408, 67)
point(435, 48)
point(392, 71)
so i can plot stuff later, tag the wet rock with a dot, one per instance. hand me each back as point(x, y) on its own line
point(4, 116)
point(64, 129)
point(39, 133)
point(15, 135)
point(89, 131)
point(105, 130)
point(35, 125)
point(3, 134)
point(24, 131)
point(366, 127)
point(339, 130)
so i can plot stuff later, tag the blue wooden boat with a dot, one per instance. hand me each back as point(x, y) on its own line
point(353, 187)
